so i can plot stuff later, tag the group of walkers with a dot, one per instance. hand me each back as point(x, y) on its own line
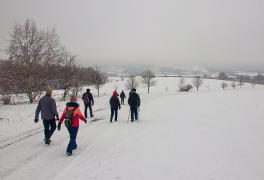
point(133, 101)
point(72, 113)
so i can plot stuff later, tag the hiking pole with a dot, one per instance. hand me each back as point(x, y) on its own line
point(128, 115)
point(138, 113)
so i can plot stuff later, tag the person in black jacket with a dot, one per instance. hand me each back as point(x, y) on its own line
point(122, 96)
point(134, 103)
point(48, 109)
point(88, 102)
point(115, 105)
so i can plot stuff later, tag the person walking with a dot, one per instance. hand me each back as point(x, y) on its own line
point(49, 115)
point(134, 103)
point(88, 102)
point(122, 96)
point(115, 105)
point(71, 116)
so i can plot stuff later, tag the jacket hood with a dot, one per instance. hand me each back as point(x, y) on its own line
point(72, 104)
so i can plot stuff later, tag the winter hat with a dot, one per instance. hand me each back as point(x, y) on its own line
point(87, 90)
point(73, 99)
point(115, 93)
point(48, 90)
point(134, 90)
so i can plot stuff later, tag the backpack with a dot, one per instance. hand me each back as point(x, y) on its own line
point(85, 98)
point(68, 118)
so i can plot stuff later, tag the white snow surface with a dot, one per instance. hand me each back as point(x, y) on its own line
point(212, 134)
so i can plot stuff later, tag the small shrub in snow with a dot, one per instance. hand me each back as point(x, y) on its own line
point(6, 99)
point(224, 85)
point(233, 84)
point(188, 87)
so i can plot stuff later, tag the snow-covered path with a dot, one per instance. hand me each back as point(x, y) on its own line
point(193, 136)
point(196, 141)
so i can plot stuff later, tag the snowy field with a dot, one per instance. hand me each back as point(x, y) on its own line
point(212, 134)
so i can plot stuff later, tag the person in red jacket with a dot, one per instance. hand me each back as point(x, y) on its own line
point(71, 115)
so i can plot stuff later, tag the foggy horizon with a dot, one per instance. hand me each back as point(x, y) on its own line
point(218, 34)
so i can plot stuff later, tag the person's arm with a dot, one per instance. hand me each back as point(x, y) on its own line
point(54, 108)
point(63, 116)
point(80, 115)
point(92, 100)
point(119, 105)
point(37, 112)
point(138, 100)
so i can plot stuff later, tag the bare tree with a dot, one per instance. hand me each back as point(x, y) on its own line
point(197, 82)
point(34, 54)
point(67, 72)
point(224, 85)
point(233, 84)
point(181, 83)
point(240, 80)
point(7, 85)
point(131, 82)
point(148, 79)
point(98, 79)
point(222, 76)
point(253, 81)
point(259, 78)
point(85, 75)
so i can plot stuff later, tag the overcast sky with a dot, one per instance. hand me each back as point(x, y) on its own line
point(217, 33)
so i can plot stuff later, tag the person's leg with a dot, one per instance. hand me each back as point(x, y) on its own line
point(46, 129)
point(52, 125)
point(91, 111)
point(112, 114)
point(85, 110)
point(116, 110)
point(74, 137)
point(136, 113)
point(132, 113)
point(72, 144)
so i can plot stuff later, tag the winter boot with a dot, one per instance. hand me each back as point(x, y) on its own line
point(47, 141)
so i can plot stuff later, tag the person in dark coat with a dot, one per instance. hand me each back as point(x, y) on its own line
point(47, 107)
point(134, 103)
point(122, 96)
point(115, 105)
point(88, 102)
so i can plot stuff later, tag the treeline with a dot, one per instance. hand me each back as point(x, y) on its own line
point(36, 58)
point(257, 79)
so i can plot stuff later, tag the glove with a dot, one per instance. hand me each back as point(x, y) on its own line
point(57, 119)
point(36, 120)
point(59, 126)
point(92, 103)
point(85, 121)
point(119, 107)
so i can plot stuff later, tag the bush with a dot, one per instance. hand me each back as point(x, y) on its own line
point(188, 87)
point(6, 99)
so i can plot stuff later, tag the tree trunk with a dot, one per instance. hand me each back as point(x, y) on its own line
point(98, 92)
point(64, 94)
point(148, 89)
